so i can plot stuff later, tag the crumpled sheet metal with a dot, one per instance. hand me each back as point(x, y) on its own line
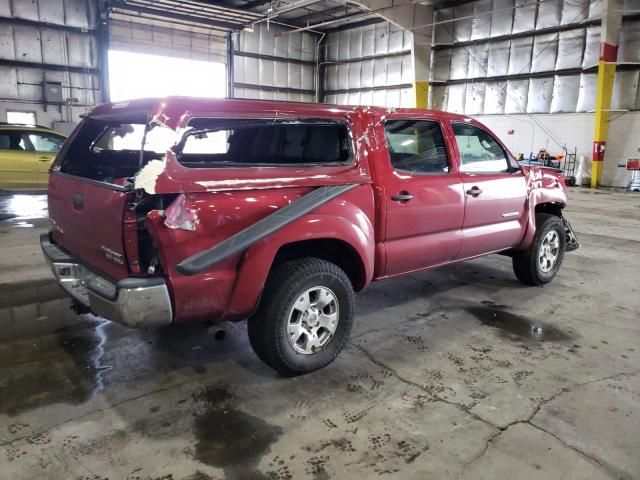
point(524, 16)
point(480, 24)
point(459, 63)
point(520, 55)
point(629, 48)
point(591, 47)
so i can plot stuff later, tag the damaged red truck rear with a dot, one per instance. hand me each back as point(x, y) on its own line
point(176, 210)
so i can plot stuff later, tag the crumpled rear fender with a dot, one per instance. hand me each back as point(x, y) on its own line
point(339, 220)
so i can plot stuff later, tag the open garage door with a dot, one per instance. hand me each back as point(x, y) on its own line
point(157, 45)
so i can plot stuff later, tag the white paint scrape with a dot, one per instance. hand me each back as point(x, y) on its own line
point(148, 175)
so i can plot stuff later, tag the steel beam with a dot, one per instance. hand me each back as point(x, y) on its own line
point(610, 30)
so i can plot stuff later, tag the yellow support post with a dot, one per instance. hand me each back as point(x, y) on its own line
point(611, 21)
point(421, 94)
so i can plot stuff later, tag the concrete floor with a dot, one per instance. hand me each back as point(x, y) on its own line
point(442, 378)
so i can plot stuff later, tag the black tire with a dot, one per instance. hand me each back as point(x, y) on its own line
point(268, 326)
point(526, 265)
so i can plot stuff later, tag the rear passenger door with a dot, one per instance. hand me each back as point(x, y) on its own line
point(423, 197)
point(495, 193)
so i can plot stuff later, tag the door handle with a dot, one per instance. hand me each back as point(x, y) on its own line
point(402, 197)
point(44, 159)
point(78, 201)
point(474, 191)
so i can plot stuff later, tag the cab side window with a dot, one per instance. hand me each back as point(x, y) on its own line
point(479, 151)
point(417, 146)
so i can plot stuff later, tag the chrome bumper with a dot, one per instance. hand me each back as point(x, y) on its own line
point(136, 302)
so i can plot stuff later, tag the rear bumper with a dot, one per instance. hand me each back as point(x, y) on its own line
point(136, 302)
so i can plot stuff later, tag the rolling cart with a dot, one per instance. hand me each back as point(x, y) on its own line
point(633, 165)
point(569, 166)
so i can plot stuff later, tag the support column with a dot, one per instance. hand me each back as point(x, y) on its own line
point(421, 59)
point(611, 21)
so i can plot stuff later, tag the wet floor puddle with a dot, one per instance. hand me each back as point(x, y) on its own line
point(229, 438)
point(69, 369)
point(516, 327)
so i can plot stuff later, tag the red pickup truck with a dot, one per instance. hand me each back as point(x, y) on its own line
point(181, 209)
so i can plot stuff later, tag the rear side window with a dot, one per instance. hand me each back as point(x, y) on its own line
point(46, 142)
point(417, 146)
point(479, 151)
point(219, 143)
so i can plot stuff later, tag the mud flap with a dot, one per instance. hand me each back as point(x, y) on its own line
point(261, 229)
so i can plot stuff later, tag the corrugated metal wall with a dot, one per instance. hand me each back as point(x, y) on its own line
point(540, 58)
point(267, 66)
point(369, 65)
point(53, 41)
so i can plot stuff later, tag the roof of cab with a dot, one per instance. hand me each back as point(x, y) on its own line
point(28, 128)
point(170, 110)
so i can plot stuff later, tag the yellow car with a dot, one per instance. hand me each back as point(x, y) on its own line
point(26, 153)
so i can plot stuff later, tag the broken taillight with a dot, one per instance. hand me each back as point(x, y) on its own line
point(179, 216)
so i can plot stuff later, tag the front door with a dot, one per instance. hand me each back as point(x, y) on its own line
point(495, 193)
point(423, 197)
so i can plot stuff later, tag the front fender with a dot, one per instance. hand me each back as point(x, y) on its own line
point(544, 188)
point(339, 220)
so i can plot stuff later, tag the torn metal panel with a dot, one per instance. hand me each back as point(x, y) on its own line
point(261, 229)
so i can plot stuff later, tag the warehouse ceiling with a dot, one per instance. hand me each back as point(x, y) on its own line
point(228, 15)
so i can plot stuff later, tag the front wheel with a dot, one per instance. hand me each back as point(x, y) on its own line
point(540, 264)
point(304, 318)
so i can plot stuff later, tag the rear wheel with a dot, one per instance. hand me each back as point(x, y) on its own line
point(304, 317)
point(540, 264)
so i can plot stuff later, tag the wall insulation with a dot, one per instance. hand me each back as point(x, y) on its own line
point(274, 67)
point(369, 65)
point(528, 57)
point(48, 41)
